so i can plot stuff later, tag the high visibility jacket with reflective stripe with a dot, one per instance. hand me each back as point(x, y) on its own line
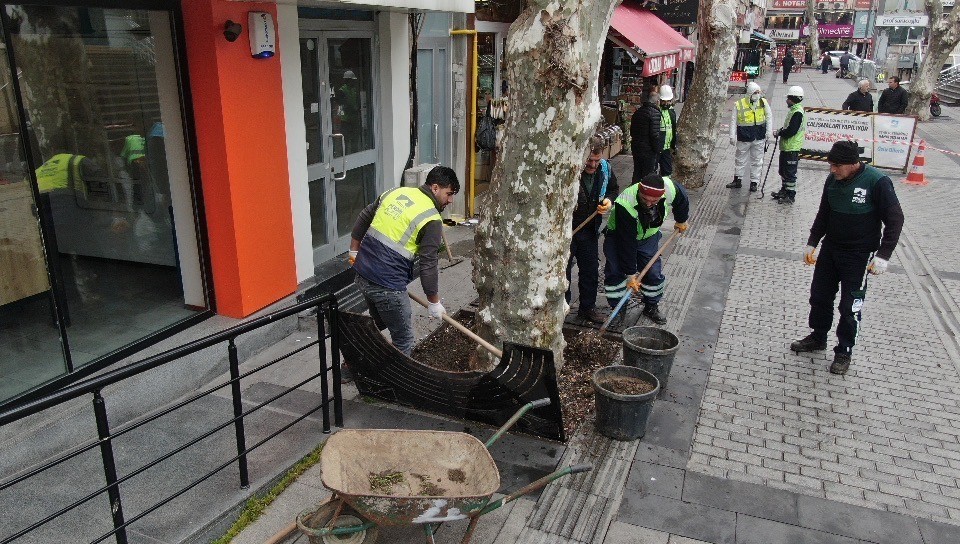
point(391, 243)
point(666, 127)
point(795, 142)
point(62, 171)
point(751, 120)
point(629, 200)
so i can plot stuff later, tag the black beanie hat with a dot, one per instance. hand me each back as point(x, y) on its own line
point(844, 152)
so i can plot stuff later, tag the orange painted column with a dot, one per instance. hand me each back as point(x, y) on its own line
point(241, 136)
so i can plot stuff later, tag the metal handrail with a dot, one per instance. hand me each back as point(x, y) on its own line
point(327, 303)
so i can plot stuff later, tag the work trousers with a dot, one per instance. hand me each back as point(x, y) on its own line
point(789, 160)
point(644, 163)
point(391, 310)
point(584, 248)
point(751, 152)
point(615, 278)
point(848, 271)
point(665, 162)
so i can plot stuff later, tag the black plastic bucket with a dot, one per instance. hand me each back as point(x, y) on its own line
point(651, 349)
point(623, 417)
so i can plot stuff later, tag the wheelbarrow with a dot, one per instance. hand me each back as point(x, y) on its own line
point(382, 477)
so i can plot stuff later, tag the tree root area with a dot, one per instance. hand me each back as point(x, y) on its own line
point(448, 349)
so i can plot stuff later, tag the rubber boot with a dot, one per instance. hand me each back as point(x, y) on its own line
point(735, 184)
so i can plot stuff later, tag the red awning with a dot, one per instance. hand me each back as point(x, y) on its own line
point(663, 47)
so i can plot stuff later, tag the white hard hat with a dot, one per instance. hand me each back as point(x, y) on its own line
point(666, 93)
point(752, 88)
point(796, 90)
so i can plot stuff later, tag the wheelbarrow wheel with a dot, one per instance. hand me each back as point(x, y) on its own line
point(322, 518)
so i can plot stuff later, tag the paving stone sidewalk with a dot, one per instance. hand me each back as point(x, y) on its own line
point(756, 444)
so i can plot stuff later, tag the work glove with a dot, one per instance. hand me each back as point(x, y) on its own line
point(604, 206)
point(808, 255)
point(353, 257)
point(776, 133)
point(681, 227)
point(877, 266)
point(633, 284)
point(435, 309)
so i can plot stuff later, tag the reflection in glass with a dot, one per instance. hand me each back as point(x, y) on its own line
point(353, 193)
point(425, 111)
point(91, 96)
point(311, 99)
point(318, 216)
point(351, 93)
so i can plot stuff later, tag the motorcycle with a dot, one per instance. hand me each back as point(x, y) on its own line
point(935, 105)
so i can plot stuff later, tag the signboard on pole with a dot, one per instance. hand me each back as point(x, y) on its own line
point(884, 140)
point(893, 135)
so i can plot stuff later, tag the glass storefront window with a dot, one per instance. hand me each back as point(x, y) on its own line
point(107, 260)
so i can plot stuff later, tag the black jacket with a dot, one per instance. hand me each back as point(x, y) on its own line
point(587, 201)
point(858, 101)
point(893, 100)
point(789, 62)
point(645, 136)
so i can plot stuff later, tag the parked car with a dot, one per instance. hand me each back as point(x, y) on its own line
point(835, 58)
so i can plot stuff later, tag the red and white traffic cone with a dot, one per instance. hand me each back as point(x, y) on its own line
point(915, 175)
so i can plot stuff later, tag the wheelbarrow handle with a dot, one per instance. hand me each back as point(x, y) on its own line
point(577, 469)
point(539, 403)
point(534, 486)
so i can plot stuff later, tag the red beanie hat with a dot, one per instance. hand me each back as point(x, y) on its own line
point(652, 186)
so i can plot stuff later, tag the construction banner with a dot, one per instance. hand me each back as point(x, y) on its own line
point(884, 140)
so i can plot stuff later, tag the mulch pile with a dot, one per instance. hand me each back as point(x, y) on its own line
point(448, 349)
point(625, 385)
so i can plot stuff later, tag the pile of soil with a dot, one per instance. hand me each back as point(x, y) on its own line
point(448, 349)
point(383, 483)
point(625, 385)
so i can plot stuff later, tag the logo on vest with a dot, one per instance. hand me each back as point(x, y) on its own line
point(859, 196)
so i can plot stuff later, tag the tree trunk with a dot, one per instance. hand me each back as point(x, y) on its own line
point(523, 238)
point(944, 36)
point(813, 39)
point(704, 107)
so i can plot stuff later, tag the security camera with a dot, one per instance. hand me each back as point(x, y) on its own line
point(232, 31)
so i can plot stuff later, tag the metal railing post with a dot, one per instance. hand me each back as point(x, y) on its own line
point(324, 382)
point(334, 320)
point(109, 466)
point(237, 413)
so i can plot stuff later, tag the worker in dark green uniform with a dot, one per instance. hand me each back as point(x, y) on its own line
point(857, 199)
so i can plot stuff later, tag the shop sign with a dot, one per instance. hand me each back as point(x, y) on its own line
point(655, 65)
point(861, 24)
point(790, 4)
point(686, 54)
point(678, 12)
point(902, 20)
point(738, 76)
point(784, 34)
point(752, 70)
point(830, 31)
point(863, 4)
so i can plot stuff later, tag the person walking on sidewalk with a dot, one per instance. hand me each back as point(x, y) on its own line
point(791, 141)
point(894, 98)
point(645, 137)
point(844, 64)
point(402, 225)
point(825, 62)
point(633, 237)
point(861, 99)
point(598, 185)
point(857, 199)
point(788, 63)
point(668, 130)
point(751, 125)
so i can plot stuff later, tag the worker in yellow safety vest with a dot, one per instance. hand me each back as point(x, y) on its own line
point(751, 126)
point(403, 225)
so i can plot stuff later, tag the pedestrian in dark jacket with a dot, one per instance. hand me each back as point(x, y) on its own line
point(857, 201)
point(598, 189)
point(844, 64)
point(825, 62)
point(894, 98)
point(861, 99)
point(788, 63)
point(646, 141)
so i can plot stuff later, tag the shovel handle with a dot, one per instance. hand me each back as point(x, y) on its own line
point(445, 244)
point(585, 221)
point(456, 324)
point(640, 275)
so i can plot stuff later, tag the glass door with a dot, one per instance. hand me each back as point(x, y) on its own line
point(342, 148)
point(433, 101)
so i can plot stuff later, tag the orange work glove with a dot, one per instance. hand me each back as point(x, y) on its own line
point(633, 284)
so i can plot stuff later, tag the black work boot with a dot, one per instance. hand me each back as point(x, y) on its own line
point(652, 311)
point(592, 315)
point(786, 199)
point(812, 342)
point(735, 184)
point(841, 363)
point(753, 186)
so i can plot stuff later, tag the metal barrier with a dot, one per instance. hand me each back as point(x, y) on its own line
point(326, 308)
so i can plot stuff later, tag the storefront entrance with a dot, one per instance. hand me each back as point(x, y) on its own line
point(342, 147)
point(98, 237)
